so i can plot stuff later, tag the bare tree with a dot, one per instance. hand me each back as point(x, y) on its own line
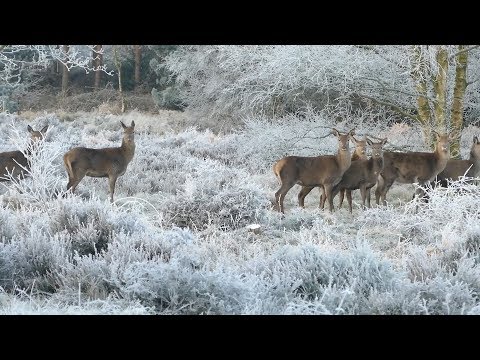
point(137, 49)
point(15, 60)
point(118, 65)
point(97, 56)
point(428, 84)
point(65, 49)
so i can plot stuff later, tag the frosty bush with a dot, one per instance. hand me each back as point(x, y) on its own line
point(214, 194)
point(186, 290)
point(176, 240)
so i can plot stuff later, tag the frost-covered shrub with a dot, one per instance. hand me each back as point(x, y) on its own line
point(344, 281)
point(177, 240)
point(214, 194)
point(31, 260)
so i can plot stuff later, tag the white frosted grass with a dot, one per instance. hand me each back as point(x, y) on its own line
point(177, 239)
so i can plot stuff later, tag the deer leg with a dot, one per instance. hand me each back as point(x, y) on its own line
point(280, 196)
point(111, 181)
point(383, 186)
point(379, 189)
point(301, 195)
point(74, 181)
point(341, 196)
point(420, 192)
point(323, 197)
point(363, 193)
point(349, 199)
point(384, 192)
point(368, 197)
point(328, 192)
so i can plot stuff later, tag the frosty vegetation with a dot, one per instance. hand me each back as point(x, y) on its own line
point(178, 238)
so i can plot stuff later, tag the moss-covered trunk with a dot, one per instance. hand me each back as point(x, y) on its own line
point(440, 89)
point(419, 76)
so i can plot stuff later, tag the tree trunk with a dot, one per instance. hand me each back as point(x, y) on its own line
point(57, 63)
point(119, 70)
point(65, 49)
point(97, 61)
point(419, 75)
point(458, 100)
point(137, 49)
point(440, 89)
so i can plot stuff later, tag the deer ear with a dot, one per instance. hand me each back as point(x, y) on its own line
point(29, 128)
point(369, 142)
point(475, 139)
point(436, 133)
point(123, 125)
point(384, 141)
point(133, 124)
point(44, 129)
point(335, 132)
point(352, 132)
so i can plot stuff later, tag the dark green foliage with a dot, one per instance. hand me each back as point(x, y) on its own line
point(165, 94)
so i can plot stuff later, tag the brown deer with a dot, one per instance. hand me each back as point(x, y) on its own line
point(412, 167)
point(458, 168)
point(359, 153)
point(325, 170)
point(15, 162)
point(362, 174)
point(106, 162)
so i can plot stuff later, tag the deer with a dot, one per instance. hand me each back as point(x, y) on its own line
point(109, 162)
point(412, 167)
point(15, 162)
point(359, 153)
point(457, 168)
point(362, 174)
point(312, 171)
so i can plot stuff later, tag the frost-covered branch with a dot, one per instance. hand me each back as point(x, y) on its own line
point(15, 59)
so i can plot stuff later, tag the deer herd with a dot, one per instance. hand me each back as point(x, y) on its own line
point(79, 162)
point(343, 172)
point(333, 174)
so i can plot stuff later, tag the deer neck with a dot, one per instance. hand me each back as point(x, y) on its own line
point(344, 159)
point(355, 156)
point(128, 150)
point(441, 157)
point(377, 164)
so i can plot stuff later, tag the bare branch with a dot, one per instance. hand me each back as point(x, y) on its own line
point(377, 52)
point(385, 88)
point(463, 51)
point(393, 106)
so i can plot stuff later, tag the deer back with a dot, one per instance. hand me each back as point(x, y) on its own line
point(316, 170)
point(14, 161)
point(410, 167)
point(105, 161)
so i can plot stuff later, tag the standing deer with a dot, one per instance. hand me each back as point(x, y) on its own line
point(458, 168)
point(106, 162)
point(15, 162)
point(362, 174)
point(412, 167)
point(312, 171)
point(359, 153)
